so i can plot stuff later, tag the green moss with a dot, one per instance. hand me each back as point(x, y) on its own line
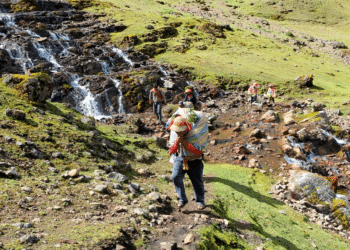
point(305, 116)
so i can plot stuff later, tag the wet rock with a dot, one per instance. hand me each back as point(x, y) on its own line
point(288, 118)
point(16, 114)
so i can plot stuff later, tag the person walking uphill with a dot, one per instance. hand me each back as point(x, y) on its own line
point(157, 97)
point(253, 92)
point(188, 160)
point(271, 93)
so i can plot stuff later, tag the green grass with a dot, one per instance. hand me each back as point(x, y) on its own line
point(243, 199)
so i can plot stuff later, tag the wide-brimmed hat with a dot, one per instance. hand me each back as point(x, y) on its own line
point(180, 124)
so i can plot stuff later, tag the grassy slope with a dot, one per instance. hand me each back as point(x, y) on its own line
point(244, 56)
point(68, 139)
point(243, 199)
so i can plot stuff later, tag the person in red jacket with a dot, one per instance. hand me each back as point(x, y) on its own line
point(253, 92)
point(188, 159)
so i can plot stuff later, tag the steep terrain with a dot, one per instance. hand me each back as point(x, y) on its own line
point(277, 175)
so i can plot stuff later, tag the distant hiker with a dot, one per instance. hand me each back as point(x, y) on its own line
point(187, 157)
point(190, 95)
point(157, 97)
point(271, 93)
point(253, 92)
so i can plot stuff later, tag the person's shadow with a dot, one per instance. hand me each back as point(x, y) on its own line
point(222, 210)
point(245, 190)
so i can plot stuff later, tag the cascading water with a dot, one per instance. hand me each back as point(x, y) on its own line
point(52, 50)
point(195, 90)
point(45, 54)
point(123, 55)
point(120, 99)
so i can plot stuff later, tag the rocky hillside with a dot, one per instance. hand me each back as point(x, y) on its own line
point(84, 165)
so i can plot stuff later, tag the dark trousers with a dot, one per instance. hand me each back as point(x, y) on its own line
point(157, 110)
point(195, 173)
point(253, 98)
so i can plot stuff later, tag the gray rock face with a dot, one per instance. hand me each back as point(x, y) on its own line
point(57, 155)
point(141, 211)
point(26, 189)
point(308, 183)
point(16, 114)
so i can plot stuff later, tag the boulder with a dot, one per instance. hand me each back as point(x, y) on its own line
point(270, 116)
point(257, 133)
point(304, 81)
point(38, 87)
point(253, 163)
point(16, 114)
point(310, 184)
point(288, 118)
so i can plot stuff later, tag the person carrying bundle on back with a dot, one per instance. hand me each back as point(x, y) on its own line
point(253, 92)
point(188, 138)
point(157, 97)
point(271, 93)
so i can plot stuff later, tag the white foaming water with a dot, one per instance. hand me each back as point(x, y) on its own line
point(163, 71)
point(120, 99)
point(16, 53)
point(58, 36)
point(8, 19)
point(339, 141)
point(44, 53)
point(62, 40)
point(294, 143)
point(301, 163)
point(122, 54)
point(248, 146)
point(88, 106)
point(31, 33)
point(105, 67)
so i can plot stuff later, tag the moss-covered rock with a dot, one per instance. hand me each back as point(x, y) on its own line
point(154, 49)
point(212, 29)
point(25, 6)
point(37, 87)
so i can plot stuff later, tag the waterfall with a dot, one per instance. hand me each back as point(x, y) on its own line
point(123, 55)
point(163, 71)
point(339, 141)
point(16, 53)
point(57, 45)
point(88, 106)
point(44, 53)
point(301, 163)
point(120, 99)
point(62, 40)
point(8, 19)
